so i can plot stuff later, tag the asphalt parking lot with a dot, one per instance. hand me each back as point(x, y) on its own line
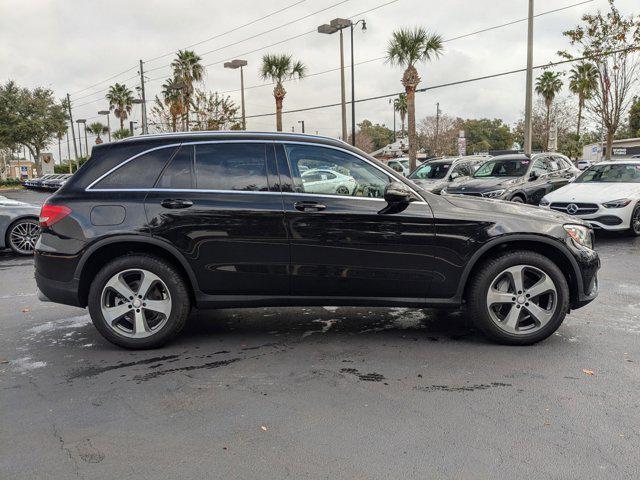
point(321, 392)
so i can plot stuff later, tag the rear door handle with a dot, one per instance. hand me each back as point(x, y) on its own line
point(309, 206)
point(175, 203)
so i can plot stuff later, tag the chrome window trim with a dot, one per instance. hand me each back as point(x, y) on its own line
point(90, 188)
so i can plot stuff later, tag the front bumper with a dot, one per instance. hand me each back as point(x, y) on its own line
point(613, 219)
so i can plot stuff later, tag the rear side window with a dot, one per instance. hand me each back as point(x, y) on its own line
point(231, 166)
point(179, 172)
point(141, 172)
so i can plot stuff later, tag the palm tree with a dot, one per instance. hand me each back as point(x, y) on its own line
point(400, 106)
point(583, 81)
point(187, 70)
point(406, 48)
point(279, 68)
point(98, 129)
point(172, 98)
point(120, 99)
point(548, 85)
point(122, 133)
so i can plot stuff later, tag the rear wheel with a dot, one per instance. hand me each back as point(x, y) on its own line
point(23, 235)
point(519, 298)
point(342, 190)
point(139, 301)
point(517, 199)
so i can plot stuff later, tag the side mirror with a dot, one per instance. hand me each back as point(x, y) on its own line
point(397, 193)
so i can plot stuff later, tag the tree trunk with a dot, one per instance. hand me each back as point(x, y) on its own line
point(580, 103)
point(609, 145)
point(278, 114)
point(121, 122)
point(546, 142)
point(402, 122)
point(411, 113)
point(174, 120)
point(36, 158)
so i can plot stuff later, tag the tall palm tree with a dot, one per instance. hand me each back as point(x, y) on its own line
point(279, 68)
point(400, 106)
point(172, 98)
point(120, 99)
point(583, 81)
point(187, 69)
point(548, 85)
point(407, 47)
point(98, 129)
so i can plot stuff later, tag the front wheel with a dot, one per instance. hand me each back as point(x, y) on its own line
point(634, 227)
point(519, 298)
point(139, 301)
point(23, 235)
point(517, 199)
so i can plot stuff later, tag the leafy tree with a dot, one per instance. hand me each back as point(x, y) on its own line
point(583, 81)
point(406, 48)
point(98, 129)
point(634, 117)
point(548, 85)
point(606, 40)
point(379, 135)
point(400, 106)
point(31, 118)
point(122, 133)
point(279, 68)
point(447, 138)
point(484, 134)
point(187, 70)
point(120, 99)
point(214, 112)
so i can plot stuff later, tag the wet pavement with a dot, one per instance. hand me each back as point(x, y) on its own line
point(322, 392)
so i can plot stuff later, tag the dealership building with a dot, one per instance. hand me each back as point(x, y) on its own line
point(621, 148)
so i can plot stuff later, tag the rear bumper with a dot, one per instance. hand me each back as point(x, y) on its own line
point(58, 291)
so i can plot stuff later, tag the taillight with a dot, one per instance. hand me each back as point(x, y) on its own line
point(51, 214)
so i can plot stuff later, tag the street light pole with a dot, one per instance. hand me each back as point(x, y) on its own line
point(435, 148)
point(301, 122)
point(233, 64)
point(106, 112)
point(353, 84)
point(529, 83)
point(393, 105)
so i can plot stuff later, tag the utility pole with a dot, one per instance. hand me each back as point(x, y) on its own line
point(301, 122)
point(144, 101)
point(69, 152)
point(343, 94)
point(393, 105)
point(73, 131)
point(435, 148)
point(529, 83)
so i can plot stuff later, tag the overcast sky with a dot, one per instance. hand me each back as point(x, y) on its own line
point(74, 46)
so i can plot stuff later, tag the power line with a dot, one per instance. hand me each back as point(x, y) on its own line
point(449, 84)
point(228, 31)
point(105, 80)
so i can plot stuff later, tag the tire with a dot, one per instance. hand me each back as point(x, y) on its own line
point(634, 227)
point(490, 310)
point(517, 199)
point(342, 190)
point(158, 325)
point(22, 236)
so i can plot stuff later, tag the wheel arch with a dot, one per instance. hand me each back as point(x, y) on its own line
point(545, 246)
point(104, 251)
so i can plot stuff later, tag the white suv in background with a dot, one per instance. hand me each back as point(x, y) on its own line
point(607, 195)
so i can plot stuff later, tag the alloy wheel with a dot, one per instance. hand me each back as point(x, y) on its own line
point(635, 221)
point(23, 237)
point(522, 299)
point(135, 303)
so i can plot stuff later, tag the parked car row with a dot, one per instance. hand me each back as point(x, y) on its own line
point(52, 181)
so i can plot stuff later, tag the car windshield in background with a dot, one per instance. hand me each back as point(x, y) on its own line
point(431, 171)
point(503, 168)
point(612, 173)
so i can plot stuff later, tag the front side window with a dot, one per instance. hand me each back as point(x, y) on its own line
point(139, 173)
point(541, 167)
point(328, 171)
point(503, 168)
point(431, 171)
point(231, 166)
point(179, 172)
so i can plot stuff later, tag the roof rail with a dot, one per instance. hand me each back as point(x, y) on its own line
point(227, 132)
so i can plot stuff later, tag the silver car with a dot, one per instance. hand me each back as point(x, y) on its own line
point(19, 228)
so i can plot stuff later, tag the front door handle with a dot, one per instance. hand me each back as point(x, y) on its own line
point(174, 203)
point(309, 206)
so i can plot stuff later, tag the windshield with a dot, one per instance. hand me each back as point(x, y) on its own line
point(431, 171)
point(503, 168)
point(620, 173)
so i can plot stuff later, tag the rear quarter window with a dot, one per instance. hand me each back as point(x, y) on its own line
point(139, 172)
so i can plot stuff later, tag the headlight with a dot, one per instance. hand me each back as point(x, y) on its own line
point(443, 191)
point(580, 235)
point(623, 202)
point(544, 202)
point(493, 194)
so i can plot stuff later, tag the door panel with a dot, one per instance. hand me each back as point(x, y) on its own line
point(235, 241)
point(347, 247)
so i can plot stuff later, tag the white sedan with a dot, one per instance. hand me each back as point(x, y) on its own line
point(318, 180)
point(607, 195)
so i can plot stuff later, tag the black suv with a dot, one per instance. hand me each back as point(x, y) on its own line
point(518, 178)
point(154, 225)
